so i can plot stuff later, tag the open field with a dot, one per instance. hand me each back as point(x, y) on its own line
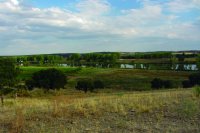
point(157, 111)
point(126, 79)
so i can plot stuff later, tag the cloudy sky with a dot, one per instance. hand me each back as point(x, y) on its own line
point(61, 26)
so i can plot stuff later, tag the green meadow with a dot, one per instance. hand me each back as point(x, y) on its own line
point(114, 78)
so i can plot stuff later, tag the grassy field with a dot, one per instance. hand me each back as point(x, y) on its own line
point(150, 111)
point(126, 79)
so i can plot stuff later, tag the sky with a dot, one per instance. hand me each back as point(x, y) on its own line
point(70, 26)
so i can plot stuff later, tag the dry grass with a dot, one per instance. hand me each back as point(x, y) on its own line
point(17, 112)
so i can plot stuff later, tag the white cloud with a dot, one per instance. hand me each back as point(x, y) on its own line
point(15, 2)
point(183, 5)
point(93, 7)
point(32, 25)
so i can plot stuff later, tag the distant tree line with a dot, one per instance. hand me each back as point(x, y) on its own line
point(90, 59)
point(94, 59)
point(157, 55)
point(153, 55)
point(38, 60)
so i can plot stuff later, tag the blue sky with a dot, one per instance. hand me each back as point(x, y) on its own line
point(61, 26)
point(118, 4)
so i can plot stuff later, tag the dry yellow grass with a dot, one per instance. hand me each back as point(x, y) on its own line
point(18, 111)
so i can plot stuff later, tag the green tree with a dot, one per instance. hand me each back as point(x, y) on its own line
point(85, 85)
point(8, 75)
point(75, 58)
point(8, 72)
point(39, 59)
point(31, 59)
point(173, 61)
point(198, 62)
point(48, 79)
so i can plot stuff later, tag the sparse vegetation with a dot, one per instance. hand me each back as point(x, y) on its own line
point(67, 113)
point(196, 91)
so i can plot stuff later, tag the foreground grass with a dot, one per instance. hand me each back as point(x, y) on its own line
point(161, 111)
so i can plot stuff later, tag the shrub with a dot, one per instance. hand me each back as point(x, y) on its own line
point(6, 90)
point(186, 84)
point(21, 91)
point(167, 84)
point(85, 85)
point(194, 79)
point(47, 79)
point(156, 83)
point(196, 91)
point(98, 84)
point(30, 84)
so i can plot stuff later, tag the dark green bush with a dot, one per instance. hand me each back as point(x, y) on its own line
point(186, 84)
point(194, 79)
point(85, 85)
point(6, 90)
point(156, 83)
point(98, 84)
point(8, 72)
point(167, 84)
point(47, 79)
point(30, 84)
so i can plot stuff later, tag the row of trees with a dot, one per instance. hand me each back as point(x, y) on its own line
point(104, 60)
point(152, 55)
point(157, 55)
point(38, 59)
point(90, 59)
point(94, 59)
